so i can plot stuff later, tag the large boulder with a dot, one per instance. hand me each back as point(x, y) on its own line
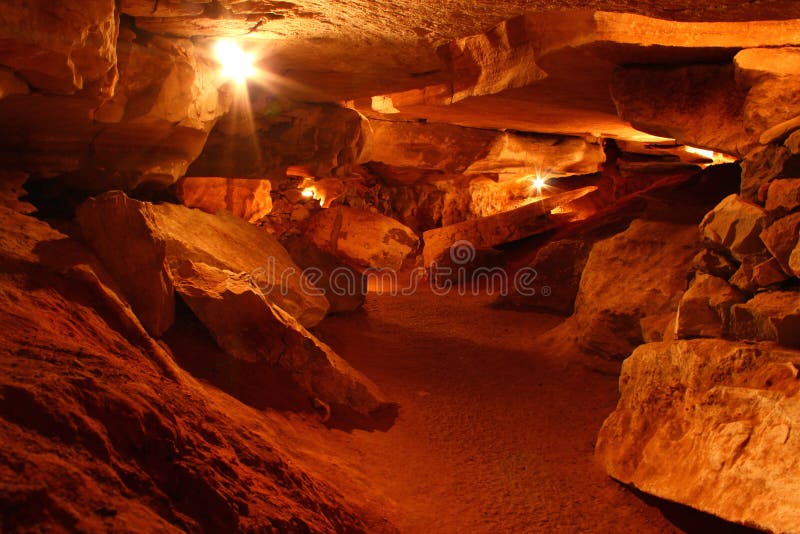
point(223, 241)
point(769, 316)
point(472, 151)
point(770, 76)
point(710, 424)
point(763, 165)
point(638, 273)
point(57, 48)
point(248, 327)
point(704, 310)
point(344, 287)
point(558, 266)
point(362, 238)
point(698, 105)
point(124, 235)
point(735, 225)
point(245, 198)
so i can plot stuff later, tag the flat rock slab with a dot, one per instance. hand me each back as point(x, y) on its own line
point(248, 327)
point(494, 230)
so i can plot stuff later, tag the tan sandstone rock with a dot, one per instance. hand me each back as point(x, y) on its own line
point(487, 232)
point(770, 76)
point(248, 327)
point(246, 198)
point(362, 238)
point(783, 196)
point(704, 310)
point(710, 424)
point(735, 225)
point(180, 234)
point(770, 316)
point(123, 233)
point(638, 273)
point(781, 237)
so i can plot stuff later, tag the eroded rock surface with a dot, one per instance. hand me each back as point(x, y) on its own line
point(246, 198)
point(727, 411)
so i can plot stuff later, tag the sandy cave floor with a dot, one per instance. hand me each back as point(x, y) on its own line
point(493, 435)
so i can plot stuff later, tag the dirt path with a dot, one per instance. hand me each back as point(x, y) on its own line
point(493, 436)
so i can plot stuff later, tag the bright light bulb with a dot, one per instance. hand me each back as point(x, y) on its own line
point(539, 183)
point(237, 65)
point(308, 192)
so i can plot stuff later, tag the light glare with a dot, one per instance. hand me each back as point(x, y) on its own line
point(237, 65)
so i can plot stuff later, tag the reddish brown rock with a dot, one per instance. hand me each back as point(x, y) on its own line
point(769, 75)
point(638, 273)
point(781, 237)
point(558, 266)
point(656, 328)
point(246, 198)
point(320, 140)
point(770, 316)
point(735, 225)
point(704, 310)
point(713, 262)
point(728, 411)
point(344, 287)
point(487, 232)
point(248, 327)
point(362, 238)
point(124, 235)
point(763, 165)
point(697, 105)
point(11, 84)
point(472, 151)
point(102, 431)
point(783, 196)
point(57, 48)
point(176, 233)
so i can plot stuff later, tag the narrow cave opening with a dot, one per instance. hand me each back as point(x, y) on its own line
point(419, 267)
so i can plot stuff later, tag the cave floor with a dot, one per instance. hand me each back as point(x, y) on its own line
point(493, 434)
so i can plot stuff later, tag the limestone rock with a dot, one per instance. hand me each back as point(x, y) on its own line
point(713, 262)
point(794, 261)
point(59, 49)
point(223, 241)
point(770, 316)
point(362, 238)
point(783, 196)
point(504, 227)
point(344, 287)
point(696, 105)
point(318, 139)
point(164, 105)
point(248, 327)
point(638, 273)
point(763, 165)
point(656, 328)
point(781, 237)
point(756, 272)
point(558, 266)
point(11, 190)
point(245, 198)
point(455, 149)
point(735, 225)
point(123, 233)
point(704, 310)
point(728, 411)
point(483, 64)
point(769, 76)
point(11, 85)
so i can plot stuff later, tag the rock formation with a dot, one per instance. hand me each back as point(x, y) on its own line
point(188, 189)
